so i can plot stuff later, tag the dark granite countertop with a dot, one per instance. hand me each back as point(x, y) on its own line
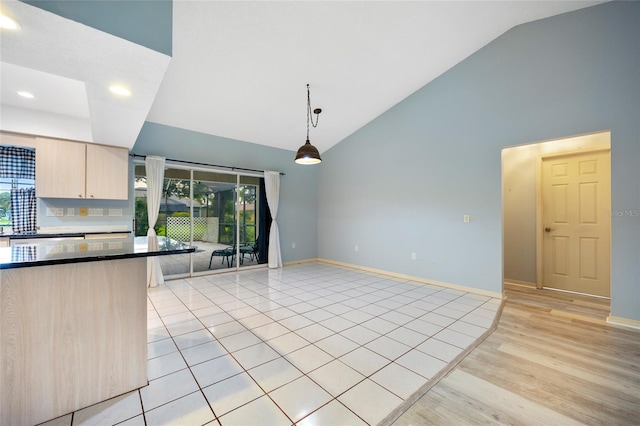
point(70, 249)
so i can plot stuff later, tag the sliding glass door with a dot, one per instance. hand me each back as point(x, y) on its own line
point(217, 212)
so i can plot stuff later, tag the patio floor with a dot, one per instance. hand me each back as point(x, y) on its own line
point(179, 264)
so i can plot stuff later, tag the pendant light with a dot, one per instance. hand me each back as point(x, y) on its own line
point(307, 153)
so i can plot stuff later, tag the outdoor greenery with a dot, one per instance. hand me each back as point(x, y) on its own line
point(5, 208)
point(221, 204)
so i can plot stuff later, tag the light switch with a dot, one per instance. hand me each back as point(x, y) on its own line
point(466, 218)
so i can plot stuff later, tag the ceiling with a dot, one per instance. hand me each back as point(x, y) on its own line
point(69, 67)
point(240, 69)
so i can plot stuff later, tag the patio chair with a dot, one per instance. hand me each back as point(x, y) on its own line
point(252, 250)
point(227, 254)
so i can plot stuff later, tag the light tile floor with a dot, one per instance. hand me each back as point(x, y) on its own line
point(309, 344)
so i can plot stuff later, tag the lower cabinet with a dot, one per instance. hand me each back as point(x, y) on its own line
point(71, 335)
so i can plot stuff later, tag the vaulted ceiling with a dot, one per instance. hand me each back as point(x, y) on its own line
point(240, 69)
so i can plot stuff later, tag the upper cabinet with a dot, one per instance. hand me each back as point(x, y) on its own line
point(67, 169)
point(60, 169)
point(107, 171)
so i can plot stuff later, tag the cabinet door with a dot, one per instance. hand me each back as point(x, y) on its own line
point(107, 172)
point(60, 169)
point(13, 139)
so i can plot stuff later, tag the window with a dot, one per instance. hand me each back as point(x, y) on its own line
point(17, 188)
point(5, 197)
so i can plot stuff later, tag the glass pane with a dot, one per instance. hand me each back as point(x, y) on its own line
point(173, 223)
point(213, 224)
point(5, 204)
point(220, 212)
point(224, 207)
point(247, 212)
point(5, 198)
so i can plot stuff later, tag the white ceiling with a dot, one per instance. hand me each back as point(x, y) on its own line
point(69, 67)
point(239, 69)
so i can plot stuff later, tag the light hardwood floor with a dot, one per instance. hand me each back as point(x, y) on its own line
point(543, 365)
point(559, 302)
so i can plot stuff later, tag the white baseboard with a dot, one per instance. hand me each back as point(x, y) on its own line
point(297, 262)
point(494, 294)
point(625, 322)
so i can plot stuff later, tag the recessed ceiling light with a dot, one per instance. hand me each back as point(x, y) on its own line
point(26, 94)
point(7, 23)
point(120, 90)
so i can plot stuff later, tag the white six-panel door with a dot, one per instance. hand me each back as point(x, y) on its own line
point(576, 222)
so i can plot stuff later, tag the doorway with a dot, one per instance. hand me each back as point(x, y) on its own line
point(521, 229)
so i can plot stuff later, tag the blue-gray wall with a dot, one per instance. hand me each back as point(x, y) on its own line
point(402, 183)
point(297, 209)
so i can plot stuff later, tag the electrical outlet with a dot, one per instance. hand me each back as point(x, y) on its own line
point(413, 256)
point(356, 248)
point(293, 245)
point(58, 248)
point(466, 218)
point(83, 211)
point(55, 211)
point(96, 246)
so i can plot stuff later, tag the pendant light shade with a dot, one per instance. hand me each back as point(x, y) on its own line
point(307, 153)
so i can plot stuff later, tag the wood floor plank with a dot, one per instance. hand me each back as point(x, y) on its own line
point(539, 367)
point(512, 407)
point(557, 300)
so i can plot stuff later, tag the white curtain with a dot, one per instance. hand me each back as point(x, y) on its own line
point(272, 187)
point(155, 180)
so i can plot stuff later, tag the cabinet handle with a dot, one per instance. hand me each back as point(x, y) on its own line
point(91, 195)
point(80, 195)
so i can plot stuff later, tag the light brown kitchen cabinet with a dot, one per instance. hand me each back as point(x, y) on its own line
point(15, 139)
point(107, 172)
point(60, 169)
point(67, 169)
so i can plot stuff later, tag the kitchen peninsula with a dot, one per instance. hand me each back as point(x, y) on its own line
point(73, 324)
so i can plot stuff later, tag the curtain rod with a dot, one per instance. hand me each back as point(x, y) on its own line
point(205, 164)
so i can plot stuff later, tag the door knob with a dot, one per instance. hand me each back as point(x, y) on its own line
point(547, 229)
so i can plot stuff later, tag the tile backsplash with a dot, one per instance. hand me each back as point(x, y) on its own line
point(64, 215)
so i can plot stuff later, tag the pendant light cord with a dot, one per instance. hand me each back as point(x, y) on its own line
point(309, 113)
